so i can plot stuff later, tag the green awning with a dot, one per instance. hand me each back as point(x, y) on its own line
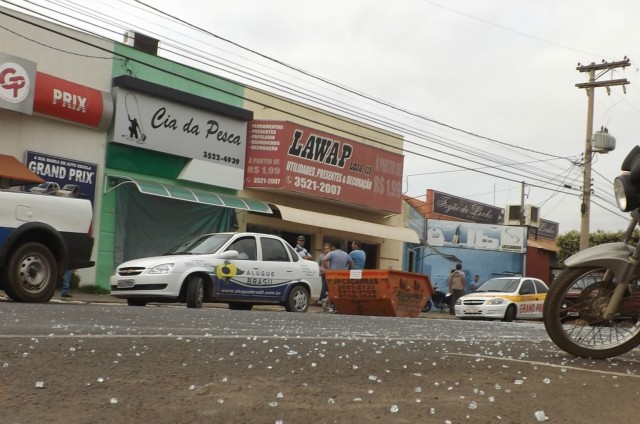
point(187, 194)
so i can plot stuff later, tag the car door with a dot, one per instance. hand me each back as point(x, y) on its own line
point(233, 276)
point(528, 300)
point(282, 264)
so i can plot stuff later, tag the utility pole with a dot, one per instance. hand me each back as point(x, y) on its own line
point(590, 86)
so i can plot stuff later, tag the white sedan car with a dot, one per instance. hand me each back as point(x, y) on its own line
point(505, 298)
point(241, 269)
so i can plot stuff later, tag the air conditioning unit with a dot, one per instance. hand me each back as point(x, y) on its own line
point(531, 215)
point(141, 42)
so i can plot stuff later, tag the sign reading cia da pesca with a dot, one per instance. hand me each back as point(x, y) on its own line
point(291, 157)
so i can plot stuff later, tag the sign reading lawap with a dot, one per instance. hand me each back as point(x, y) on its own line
point(292, 157)
point(456, 207)
point(162, 125)
point(78, 177)
point(17, 83)
point(470, 235)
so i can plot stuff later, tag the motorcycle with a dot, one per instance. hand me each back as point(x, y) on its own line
point(592, 309)
point(438, 300)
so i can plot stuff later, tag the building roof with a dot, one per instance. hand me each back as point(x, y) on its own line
point(542, 243)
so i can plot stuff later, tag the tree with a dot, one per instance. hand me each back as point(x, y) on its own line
point(569, 243)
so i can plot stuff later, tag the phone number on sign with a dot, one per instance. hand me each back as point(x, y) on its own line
point(259, 180)
point(322, 187)
point(220, 158)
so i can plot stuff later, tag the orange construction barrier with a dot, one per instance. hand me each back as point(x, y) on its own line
point(379, 292)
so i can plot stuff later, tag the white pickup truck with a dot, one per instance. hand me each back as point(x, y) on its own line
point(41, 236)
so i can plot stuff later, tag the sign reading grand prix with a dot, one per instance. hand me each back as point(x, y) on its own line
point(292, 157)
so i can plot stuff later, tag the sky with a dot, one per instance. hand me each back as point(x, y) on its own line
point(482, 91)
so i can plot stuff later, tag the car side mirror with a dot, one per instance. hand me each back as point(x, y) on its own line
point(229, 254)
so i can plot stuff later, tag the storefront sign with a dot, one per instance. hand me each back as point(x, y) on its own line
point(64, 171)
point(547, 229)
point(162, 125)
point(17, 77)
point(292, 157)
point(456, 207)
point(470, 235)
point(72, 102)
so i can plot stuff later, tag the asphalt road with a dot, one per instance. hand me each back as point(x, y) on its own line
point(96, 362)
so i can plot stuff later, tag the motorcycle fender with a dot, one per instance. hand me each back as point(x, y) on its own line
point(614, 256)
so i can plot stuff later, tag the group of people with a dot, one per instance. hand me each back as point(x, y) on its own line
point(333, 258)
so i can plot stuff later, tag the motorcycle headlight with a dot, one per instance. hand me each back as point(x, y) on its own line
point(626, 193)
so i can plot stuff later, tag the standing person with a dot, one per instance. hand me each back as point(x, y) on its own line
point(326, 248)
point(475, 283)
point(304, 253)
point(358, 255)
point(456, 287)
point(336, 259)
point(66, 284)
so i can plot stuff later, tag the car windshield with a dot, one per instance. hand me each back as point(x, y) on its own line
point(69, 187)
point(201, 245)
point(503, 285)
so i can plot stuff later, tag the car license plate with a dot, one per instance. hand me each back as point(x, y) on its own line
point(472, 310)
point(125, 284)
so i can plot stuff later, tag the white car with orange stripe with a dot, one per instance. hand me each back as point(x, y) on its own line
point(505, 298)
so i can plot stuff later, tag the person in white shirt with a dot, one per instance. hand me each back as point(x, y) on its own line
point(304, 253)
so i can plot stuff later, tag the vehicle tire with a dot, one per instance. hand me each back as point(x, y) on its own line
point(31, 274)
point(240, 306)
point(573, 315)
point(195, 292)
point(427, 307)
point(510, 313)
point(298, 300)
point(136, 302)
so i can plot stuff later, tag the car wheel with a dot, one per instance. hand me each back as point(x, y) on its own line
point(298, 300)
point(510, 314)
point(195, 293)
point(30, 274)
point(136, 302)
point(240, 306)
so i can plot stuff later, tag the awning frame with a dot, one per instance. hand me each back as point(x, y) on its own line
point(350, 225)
point(176, 192)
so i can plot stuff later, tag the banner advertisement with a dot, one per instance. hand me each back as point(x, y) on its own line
point(165, 126)
point(468, 210)
point(287, 156)
point(469, 235)
point(547, 229)
point(17, 82)
point(72, 102)
point(71, 178)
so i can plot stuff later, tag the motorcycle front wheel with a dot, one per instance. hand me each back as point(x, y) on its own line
point(573, 315)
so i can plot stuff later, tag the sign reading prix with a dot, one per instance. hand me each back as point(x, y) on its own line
point(72, 102)
point(64, 171)
point(287, 156)
point(470, 235)
point(456, 207)
point(162, 125)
